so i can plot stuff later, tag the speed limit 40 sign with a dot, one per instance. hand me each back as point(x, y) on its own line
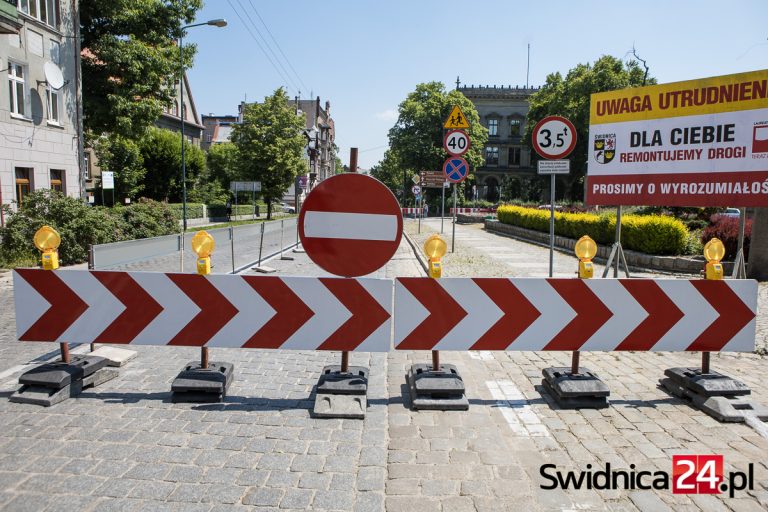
point(456, 142)
point(554, 137)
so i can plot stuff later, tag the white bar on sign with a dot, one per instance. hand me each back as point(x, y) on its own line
point(350, 226)
point(554, 166)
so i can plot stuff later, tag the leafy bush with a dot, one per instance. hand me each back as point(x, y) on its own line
point(727, 230)
point(147, 218)
point(194, 210)
point(651, 234)
point(77, 223)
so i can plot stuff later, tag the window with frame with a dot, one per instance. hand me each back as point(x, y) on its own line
point(514, 156)
point(57, 180)
point(23, 183)
point(515, 125)
point(52, 96)
point(87, 169)
point(46, 11)
point(17, 88)
point(493, 127)
point(492, 155)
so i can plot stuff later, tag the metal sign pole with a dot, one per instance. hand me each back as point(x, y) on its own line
point(421, 210)
point(551, 224)
point(442, 212)
point(453, 234)
point(618, 242)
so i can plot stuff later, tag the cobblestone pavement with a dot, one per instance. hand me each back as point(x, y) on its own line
point(124, 446)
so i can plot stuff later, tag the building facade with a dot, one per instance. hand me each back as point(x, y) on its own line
point(40, 104)
point(321, 135)
point(503, 111)
point(217, 129)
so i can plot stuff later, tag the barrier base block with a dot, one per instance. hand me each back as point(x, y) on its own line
point(707, 384)
point(328, 405)
point(264, 269)
point(728, 409)
point(202, 385)
point(583, 390)
point(58, 375)
point(333, 381)
point(41, 395)
point(114, 356)
point(441, 390)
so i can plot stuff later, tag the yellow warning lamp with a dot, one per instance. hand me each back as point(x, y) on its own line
point(714, 251)
point(47, 240)
point(435, 248)
point(585, 250)
point(203, 244)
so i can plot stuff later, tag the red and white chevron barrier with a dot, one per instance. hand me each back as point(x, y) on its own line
point(574, 314)
point(146, 308)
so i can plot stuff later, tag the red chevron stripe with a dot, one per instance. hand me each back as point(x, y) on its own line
point(66, 306)
point(140, 307)
point(518, 311)
point(290, 312)
point(215, 310)
point(591, 314)
point(367, 314)
point(734, 315)
point(663, 314)
point(444, 313)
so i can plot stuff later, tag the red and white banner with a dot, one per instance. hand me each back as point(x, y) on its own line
point(472, 210)
point(147, 308)
point(574, 314)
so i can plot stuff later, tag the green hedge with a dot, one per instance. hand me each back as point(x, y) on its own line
point(194, 210)
point(220, 209)
point(651, 234)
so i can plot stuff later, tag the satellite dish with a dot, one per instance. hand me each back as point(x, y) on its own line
point(53, 75)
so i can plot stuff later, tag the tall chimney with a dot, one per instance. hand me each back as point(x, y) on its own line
point(352, 159)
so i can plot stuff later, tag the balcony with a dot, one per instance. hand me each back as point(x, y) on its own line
point(9, 17)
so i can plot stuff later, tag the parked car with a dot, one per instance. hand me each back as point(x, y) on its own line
point(288, 208)
point(732, 212)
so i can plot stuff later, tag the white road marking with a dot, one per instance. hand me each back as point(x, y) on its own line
point(516, 409)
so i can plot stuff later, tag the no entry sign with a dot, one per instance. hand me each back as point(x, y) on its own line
point(350, 225)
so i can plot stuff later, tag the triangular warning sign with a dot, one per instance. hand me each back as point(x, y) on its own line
point(457, 119)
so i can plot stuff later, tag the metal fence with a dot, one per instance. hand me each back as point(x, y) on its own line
point(237, 248)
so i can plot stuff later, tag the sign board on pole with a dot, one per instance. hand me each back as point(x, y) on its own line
point(303, 182)
point(553, 166)
point(416, 190)
point(415, 179)
point(694, 143)
point(350, 225)
point(432, 179)
point(456, 119)
point(554, 137)
point(456, 169)
point(456, 142)
point(107, 180)
point(245, 186)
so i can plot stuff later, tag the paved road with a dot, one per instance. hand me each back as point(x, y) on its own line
point(124, 446)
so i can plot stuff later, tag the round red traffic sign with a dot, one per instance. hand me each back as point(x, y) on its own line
point(554, 137)
point(456, 142)
point(350, 225)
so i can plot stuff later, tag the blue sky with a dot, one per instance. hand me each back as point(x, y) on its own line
point(365, 56)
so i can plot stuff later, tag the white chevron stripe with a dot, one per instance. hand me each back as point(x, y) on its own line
point(178, 309)
point(30, 305)
point(482, 313)
point(103, 307)
point(555, 314)
point(330, 314)
point(698, 315)
point(253, 311)
point(744, 341)
point(627, 314)
point(409, 313)
point(381, 291)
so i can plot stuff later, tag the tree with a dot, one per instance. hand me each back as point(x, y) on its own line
point(130, 61)
point(417, 137)
point(161, 151)
point(270, 145)
point(222, 163)
point(390, 173)
point(570, 96)
point(123, 157)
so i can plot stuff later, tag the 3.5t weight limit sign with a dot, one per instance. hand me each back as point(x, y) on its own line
point(456, 142)
point(554, 137)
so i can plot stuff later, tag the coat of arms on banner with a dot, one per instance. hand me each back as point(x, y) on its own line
point(605, 148)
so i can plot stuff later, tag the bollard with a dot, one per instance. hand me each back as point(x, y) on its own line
point(51, 383)
point(578, 387)
point(716, 394)
point(206, 381)
point(437, 386)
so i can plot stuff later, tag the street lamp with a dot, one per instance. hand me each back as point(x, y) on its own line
point(311, 134)
point(219, 22)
